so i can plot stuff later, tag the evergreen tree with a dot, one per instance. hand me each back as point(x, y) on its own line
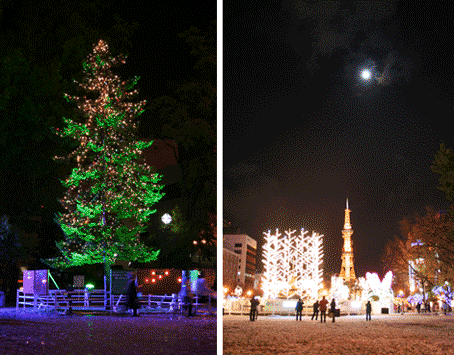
point(110, 191)
point(189, 118)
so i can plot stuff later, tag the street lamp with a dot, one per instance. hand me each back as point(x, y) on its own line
point(166, 218)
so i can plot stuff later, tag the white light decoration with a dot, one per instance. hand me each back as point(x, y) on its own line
point(238, 291)
point(372, 286)
point(338, 290)
point(292, 264)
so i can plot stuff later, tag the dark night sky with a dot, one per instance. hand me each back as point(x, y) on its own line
point(157, 54)
point(301, 129)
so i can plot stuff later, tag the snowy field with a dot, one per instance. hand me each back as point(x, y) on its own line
point(384, 334)
point(29, 333)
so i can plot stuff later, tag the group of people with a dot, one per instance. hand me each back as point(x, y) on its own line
point(321, 306)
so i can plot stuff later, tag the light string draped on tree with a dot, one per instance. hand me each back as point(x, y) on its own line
point(110, 192)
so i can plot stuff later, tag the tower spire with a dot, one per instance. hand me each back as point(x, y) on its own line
point(347, 269)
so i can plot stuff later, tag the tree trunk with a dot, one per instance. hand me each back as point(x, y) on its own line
point(107, 284)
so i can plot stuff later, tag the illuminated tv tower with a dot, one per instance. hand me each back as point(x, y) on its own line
point(347, 272)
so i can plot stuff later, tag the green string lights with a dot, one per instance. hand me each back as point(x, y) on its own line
point(110, 193)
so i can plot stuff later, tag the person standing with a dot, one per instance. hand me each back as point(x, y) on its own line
point(188, 298)
point(333, 309)
point(252, 313)
point(315, 307)
point(368, 310)
point(323, 303)
point(132, 301)
point(299, 308)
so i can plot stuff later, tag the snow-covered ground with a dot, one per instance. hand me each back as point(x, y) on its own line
point(24, 332)
point(384, 334)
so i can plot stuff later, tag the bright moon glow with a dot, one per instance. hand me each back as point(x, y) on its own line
point(365, 74)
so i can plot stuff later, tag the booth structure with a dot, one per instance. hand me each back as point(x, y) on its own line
point(36, 282)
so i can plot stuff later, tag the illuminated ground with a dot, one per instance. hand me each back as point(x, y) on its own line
point(385, 334)
point(29, 333)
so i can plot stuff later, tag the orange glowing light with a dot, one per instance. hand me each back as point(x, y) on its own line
point(153, 273)
point(179, 279)
point(153, 280)
point(166, 273)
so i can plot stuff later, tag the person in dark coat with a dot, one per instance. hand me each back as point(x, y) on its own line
point(188, 298)
point(315, 307)
point(132, 301)
point(368, 310)
point(299, 308)
point(323, 303)
point(333, 309)
point(253, 312)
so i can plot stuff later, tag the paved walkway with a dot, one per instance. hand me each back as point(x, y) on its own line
point(25, 332)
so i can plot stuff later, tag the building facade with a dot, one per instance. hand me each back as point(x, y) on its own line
point(230, 262)
point(246, 248)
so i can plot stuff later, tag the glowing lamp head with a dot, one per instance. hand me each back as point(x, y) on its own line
point(365, 74)
point(166, 218)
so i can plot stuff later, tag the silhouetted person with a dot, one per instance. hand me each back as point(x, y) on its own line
point(253, 312)
point(333, 309)
point(368, 310)
point(323, 303)
point(418, 307)
point(188, 298)
point(132, 301)
point(299, 309)
point(315, 307)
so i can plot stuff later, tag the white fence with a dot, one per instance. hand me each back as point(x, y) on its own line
point(98, 300)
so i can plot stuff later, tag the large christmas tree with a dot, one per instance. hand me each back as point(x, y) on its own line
point(110, 190)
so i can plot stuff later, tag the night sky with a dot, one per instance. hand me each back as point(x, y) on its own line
point(157, 53)
point(302, 129)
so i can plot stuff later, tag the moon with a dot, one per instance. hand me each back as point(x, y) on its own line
point(365, 74)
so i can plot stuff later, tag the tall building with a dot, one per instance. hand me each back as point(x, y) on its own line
point(246, 248)
point(230, 262)
point(347, 272)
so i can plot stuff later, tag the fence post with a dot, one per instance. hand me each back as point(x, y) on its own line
point(35, 301)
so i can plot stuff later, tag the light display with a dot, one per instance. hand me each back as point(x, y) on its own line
point(110, 192)
point(238, 291)
point(292, 264)
point(339, 290)
point(377, 290)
